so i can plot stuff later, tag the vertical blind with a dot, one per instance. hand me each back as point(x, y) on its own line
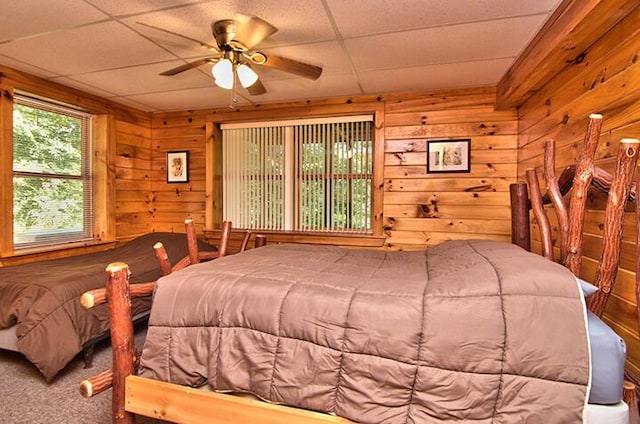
point(52, 193)
point(313, 175)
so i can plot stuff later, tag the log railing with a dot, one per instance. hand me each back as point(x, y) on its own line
point(118, 294)
point(619, 189)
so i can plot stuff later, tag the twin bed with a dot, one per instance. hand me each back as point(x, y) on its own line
point(40, 313)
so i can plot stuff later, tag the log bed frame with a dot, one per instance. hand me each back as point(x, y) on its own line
point(170, 402)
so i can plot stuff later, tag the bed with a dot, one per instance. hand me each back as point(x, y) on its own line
point(471, 331)
point(40, 313)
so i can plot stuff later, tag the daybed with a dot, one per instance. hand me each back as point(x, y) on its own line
point(40, 313)
point(467, 331)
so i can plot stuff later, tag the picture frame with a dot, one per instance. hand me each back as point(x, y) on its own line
point(448, 156)
point(178, 166)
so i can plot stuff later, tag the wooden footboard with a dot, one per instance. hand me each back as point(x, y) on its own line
point(180, 404)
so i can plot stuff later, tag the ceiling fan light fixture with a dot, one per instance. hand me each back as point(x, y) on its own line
point(223, 74)
point(246, 75)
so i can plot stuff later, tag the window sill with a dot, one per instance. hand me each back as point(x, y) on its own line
point(57, 251)
point(336, 239)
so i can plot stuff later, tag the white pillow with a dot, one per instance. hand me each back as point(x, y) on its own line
point(586, 287)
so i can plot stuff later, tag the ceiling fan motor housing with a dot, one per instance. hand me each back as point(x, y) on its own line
point(224, 31)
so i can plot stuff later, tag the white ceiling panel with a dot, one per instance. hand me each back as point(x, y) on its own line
point(454, 75)
point(26, 18)
point(198, 98)
point(327, 86)
point(447, 44)
point(130, 7)
point(359, 18)
point(364, 47)
point(146, 79)
point(87, 88)
point(101, 46)
point(26, 67)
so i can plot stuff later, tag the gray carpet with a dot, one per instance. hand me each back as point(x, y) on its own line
point(25, 397)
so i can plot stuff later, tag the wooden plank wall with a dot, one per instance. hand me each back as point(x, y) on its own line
point(420, 209)
point(605, 78)
point(134, 208)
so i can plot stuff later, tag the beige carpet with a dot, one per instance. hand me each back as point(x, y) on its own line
point(25, 397)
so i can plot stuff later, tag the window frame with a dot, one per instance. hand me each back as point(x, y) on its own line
point(213, 148)
point(85, 175)
point(103, 155)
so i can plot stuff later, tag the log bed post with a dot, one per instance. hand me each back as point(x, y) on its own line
point(555, 195)
point(613, 224)
point(121, 338)
point(538, 211)
point(581, 180)
point(520, 233)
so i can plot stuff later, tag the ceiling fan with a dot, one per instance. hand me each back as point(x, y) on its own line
point(234, 55)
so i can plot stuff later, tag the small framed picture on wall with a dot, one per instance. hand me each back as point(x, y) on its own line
point(178, 167)
point(449, 155)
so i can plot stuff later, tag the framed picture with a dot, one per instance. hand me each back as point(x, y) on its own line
point(449, 155)
point(178, 167)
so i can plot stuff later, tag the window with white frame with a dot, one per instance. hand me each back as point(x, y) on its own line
point(52, 189)
point(305, 175)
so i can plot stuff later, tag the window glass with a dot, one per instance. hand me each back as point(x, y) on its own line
point(51, 173)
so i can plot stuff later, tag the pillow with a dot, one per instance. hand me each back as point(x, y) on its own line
point(586, 287)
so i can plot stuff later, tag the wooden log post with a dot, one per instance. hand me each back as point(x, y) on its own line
point(224, 238)
point(121, 338)
point(540, 214)
point(577, 205)
point(613, 223)
point(192, 241)
point(260, 240)
point(245, 241)
point(555, 195)
point(637, 244)
point(520, 232)
point(163, 258)
point(96, 384)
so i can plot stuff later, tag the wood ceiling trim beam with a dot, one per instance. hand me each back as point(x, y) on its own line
point(564, 39)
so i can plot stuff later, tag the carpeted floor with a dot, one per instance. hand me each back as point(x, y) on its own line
point(25, 397)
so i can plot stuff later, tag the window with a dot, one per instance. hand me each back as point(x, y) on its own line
point(312, 175)
point(52, 201)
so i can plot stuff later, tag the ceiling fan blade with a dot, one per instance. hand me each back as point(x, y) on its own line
point(252, 31)
point(256, 89)
point(186, 67)
point(201, 43)
point(288, 65)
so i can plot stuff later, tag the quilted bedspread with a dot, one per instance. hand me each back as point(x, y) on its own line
point(42, 299)
point(468, 331)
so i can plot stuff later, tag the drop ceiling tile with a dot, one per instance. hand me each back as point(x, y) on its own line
point(455, 43)
point(28, 17)
point(129, 7)
point(304, 89)
point(146, 79)
point(383, 16)
point(457, 75)
point(197, 98)
point(328, 55)
point(136, 105)
point(25, 67)
point(95, 47)
point(87, 88)
point(304, 21)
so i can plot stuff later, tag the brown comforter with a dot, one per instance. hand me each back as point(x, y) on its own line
point(468, 331)
point(43, 298)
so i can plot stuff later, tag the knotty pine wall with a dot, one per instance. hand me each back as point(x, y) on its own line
point(604, 79)
point(420, 209)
